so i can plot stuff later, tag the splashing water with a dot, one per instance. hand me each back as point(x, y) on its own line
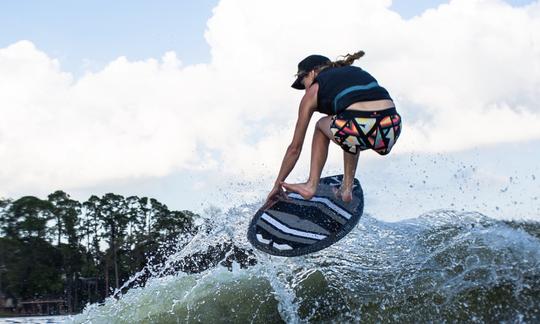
point(441, 266)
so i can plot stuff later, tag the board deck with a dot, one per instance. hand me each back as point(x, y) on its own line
point(294, 226)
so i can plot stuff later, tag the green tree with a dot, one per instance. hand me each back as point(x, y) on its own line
point(92, 225)
point(34, 268)
point(93, 258)
point(114, 216)
point(137, 243)
point(27, 217)
point(171, 224)
point(137, 221)
point(4, 205)
point(55, 247)
point(32, 264)
point(67, 211)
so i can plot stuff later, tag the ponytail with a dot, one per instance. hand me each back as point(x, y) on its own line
point(347, 60)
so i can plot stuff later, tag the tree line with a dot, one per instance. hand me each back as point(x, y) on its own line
point(80, 252)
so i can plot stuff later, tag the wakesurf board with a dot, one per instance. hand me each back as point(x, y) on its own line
point(294, 226)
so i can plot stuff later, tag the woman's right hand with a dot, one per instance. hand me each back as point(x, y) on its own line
point(276, 192)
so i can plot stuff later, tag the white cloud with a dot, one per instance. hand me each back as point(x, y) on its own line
point(463, 75)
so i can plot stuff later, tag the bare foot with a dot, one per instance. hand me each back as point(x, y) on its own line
point(343, 194)
point(303, 189)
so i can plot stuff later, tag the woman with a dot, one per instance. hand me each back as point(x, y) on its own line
point(361, 116)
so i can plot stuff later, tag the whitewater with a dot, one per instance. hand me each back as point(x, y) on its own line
point(442, 266)
point(473, 255)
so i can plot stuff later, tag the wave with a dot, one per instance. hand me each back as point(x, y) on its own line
point(441, 266)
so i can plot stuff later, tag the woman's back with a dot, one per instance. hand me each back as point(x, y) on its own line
point(339, 87)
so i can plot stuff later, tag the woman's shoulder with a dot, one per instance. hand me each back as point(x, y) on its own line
point(309, 100)
point(339, 71)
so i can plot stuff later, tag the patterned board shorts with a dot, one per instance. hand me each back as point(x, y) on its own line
point(357, 130)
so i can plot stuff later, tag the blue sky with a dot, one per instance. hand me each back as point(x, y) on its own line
point(100, 31)
point(408, 9)
point(136, 29)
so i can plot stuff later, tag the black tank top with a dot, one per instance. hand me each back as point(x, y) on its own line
point(342, 86)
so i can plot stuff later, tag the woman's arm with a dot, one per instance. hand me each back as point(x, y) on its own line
point(307, 107)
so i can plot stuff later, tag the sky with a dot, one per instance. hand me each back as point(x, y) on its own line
point(87, 35)
point(189, 102)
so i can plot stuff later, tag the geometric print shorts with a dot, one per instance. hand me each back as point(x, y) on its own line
point(356, 130)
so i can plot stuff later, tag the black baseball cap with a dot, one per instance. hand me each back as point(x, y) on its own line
point(305, 66)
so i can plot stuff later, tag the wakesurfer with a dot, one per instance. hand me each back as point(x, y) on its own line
point(361, 115)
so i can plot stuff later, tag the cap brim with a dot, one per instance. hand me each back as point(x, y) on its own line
point(298, 84)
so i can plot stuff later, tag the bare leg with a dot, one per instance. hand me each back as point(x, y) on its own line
point(350, 162)
point(319, 154)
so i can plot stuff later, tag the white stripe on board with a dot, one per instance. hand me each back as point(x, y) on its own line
point(289, 230)
point(326, 202)
point(282, 246)
point(261, 239)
